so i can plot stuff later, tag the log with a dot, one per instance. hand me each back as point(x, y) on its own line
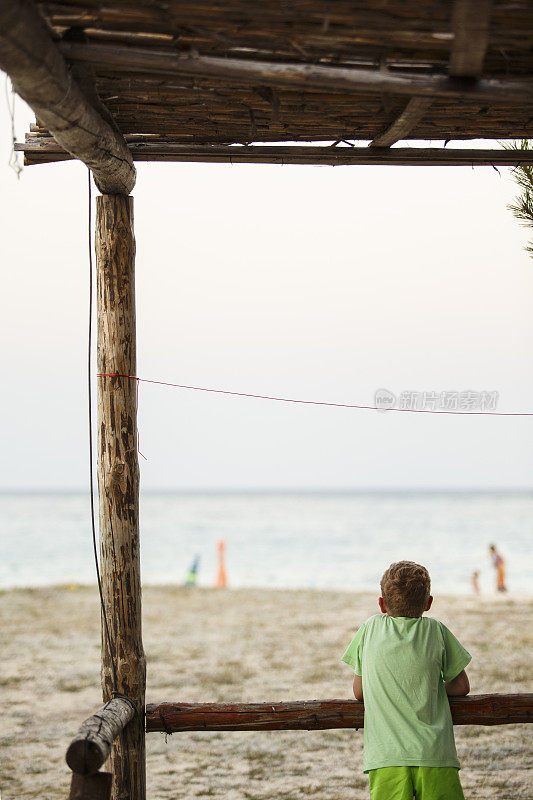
point(43, 151)
point(301, 76)
point(118, 485)
point(484, 709)
point(92, 744)
point(41, 77)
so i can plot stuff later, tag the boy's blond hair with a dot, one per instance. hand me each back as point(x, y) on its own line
point(405, 587)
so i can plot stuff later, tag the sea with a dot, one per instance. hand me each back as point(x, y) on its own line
point(281, 540)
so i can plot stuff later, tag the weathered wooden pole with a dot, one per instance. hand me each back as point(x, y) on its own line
point(118, 485)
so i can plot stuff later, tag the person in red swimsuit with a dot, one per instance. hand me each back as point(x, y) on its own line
point(499, 565)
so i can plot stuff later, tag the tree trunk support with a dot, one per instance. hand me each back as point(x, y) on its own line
point(42, 78)
point(92, 744)
point(118, 486)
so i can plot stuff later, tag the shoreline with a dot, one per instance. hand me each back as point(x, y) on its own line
point(496, 597)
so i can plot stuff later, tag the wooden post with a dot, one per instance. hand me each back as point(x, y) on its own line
point(118, 484)
point(90, 787)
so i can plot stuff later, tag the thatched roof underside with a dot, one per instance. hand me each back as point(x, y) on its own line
point(398, 37)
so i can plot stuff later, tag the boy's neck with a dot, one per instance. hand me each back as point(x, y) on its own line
point(385, 610)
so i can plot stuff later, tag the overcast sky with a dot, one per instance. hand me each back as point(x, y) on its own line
point(306, 282)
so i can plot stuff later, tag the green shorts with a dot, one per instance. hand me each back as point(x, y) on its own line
point(424, 783)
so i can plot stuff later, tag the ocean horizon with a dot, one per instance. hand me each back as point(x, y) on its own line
point(339, 538)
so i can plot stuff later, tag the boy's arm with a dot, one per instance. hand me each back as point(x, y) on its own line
point(455, 661)
point(353, 657)
point(358, 687)
point(458, 687)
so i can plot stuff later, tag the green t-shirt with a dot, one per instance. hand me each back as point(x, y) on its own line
point(404, 663)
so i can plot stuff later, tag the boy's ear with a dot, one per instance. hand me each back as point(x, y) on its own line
point(430, 600)
point(382, 607)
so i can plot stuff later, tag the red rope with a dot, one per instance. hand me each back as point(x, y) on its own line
point(138, 433)
point(318, 402)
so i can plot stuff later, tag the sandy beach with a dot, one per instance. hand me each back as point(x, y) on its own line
point(249, 645)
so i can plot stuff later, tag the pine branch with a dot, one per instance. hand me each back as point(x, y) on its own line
point(522, 208)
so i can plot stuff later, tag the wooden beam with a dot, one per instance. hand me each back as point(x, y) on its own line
point(43, 151)
point(118, 485)
point(484, 709)
point(92, 744)
point(301, 77)
point(470, 26)
point(41, 77)
point(404, 123)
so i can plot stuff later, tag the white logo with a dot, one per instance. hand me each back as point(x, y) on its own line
point(384, 400)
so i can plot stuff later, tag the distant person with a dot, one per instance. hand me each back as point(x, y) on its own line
point(475, 582)
point(192, 575)
point(405, 667)
point(499, 565)
point(222, 578)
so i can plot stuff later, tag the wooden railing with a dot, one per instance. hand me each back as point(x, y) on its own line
point(482, 709)
point(92, 744)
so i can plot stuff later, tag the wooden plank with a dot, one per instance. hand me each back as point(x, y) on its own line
point(92, 744)
point(489, 709)
point(301, 76)
point(41, 77)
point(44, 151)
point(470, 26)
point(118, 485)
point(404, 123)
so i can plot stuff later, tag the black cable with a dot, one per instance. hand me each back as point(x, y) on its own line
point(91, 476)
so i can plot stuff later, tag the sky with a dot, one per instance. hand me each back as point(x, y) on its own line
point(315, 283)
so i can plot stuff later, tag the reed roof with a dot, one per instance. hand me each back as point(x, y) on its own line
point(416, 40)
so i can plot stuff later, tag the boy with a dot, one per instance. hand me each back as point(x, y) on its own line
point(405, 666)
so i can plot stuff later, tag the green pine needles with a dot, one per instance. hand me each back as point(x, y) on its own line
point(522, 207)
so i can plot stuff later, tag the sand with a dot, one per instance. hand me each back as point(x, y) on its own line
point(241, 645)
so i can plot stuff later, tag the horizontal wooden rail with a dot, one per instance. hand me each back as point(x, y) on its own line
point(483, 709)
point(92, 744)
point(300, 77)
point(44, 150)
